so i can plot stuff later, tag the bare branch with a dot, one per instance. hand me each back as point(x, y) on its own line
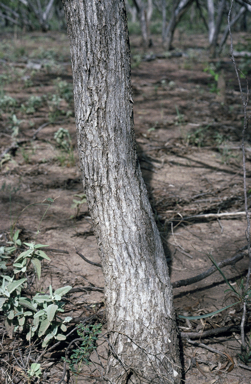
point(88, 261)
point(210, 271)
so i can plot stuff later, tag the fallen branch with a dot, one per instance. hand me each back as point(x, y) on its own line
point(244, 367)
point(225, 215)
point(210, 271)
point(88, 261)
point(13, 147)
point(39, 129)
point(206, 347)
point(209, 333)
point(82, 289)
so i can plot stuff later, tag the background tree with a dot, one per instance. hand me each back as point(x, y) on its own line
point(141, 320)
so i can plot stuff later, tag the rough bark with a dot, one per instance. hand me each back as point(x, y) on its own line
point(141, 320)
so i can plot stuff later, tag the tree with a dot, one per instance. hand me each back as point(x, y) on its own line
point(179, 8)
point(140, 316)
point(144, 12)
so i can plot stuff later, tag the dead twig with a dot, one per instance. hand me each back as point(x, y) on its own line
point(210, 332)
point(39, 129)
point(83, 289)
point(13, 147)
point(206, 347)
point(210, 271)
point(225, 215)
point(88, 261)
point(244, 367)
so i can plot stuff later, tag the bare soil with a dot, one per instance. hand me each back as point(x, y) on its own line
point(189, 141)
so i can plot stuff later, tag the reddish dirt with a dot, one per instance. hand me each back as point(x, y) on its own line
point(189, 147)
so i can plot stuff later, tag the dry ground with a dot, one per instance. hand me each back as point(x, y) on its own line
point(189, 147)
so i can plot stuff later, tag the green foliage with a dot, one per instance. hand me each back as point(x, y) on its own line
point(245, 355)
point(34, 254)
point(36, 316)
point(32, 105)
point(5, 159)
point(14, 125)
point(63, 139)
point(215, 77)
point(81, 355)
point(34, 370)
point(45, 321)
point(136, 60)
point(7, 103)
point(64, 89)
point(179, 118)
point(197, 137)
point(55, 110)
point(77, 203)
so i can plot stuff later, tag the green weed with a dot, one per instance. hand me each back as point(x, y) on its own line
point(215, 76)
point(81, 355)
point(32, 105)
point(15, 125)
point(7, 103)
point(179, 117)
point(77, 203)
point(64, 89)
point(64, 143)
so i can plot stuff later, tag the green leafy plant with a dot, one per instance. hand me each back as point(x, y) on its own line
point(197, 138)
point(215, 77)
point(55, 110)
point(5, 159)
point(63, 140)
point(81, 355)
point(64, 89)
point(34, 370)
point(7, 103)
point(32, 104)
point(179, 117)
point(77, 203)
point(33, 254)
point(15, 125)
point(37, 316)
point(46, 321)
point(245, 355)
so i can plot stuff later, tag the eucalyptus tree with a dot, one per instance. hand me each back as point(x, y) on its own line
point(140, 317)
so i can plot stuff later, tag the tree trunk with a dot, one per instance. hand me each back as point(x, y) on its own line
point(141, 320)
point(232, 23)
point(177, 13)
point(142, 16)
point(213, 45)
point(211, 23)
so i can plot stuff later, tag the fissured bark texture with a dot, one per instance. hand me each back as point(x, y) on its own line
point(141, 320)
